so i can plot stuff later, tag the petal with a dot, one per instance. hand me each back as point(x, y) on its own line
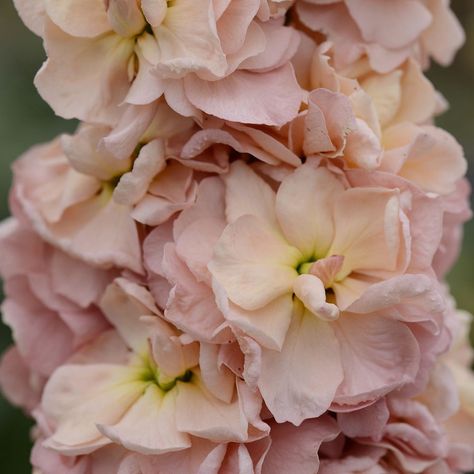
point(82, 152)
point(124, 312)
point(134, 184)
point(297, 447)
point(78, 397)
point(32, 14)
point(84, 18)
point(300, 381)
point(310, 290)
point(379, 22)
point(378, 355)
point(267, 325)
point(270, 98)
point(201, 414)
point(188, 40)
point(445, 35)
point(154, 11)
point(234, 23)
point(84, 78)
point(122, 141)
point(303, 206)
point(217, 378)
point(367, 229)
point(149, 426)
point(329, 121)
point(253, 264)
point(248, 194)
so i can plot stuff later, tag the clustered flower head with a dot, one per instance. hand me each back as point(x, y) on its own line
point(236, 264)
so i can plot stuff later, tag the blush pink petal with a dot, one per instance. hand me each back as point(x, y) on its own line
point(377, 355)
point(82, 18)
point(124, 312)
point(379, 22)
point(33, 14)
point(218, 379)
point(297, 447)
point(248, 194)
point(78, 82)
point(233, 24)
point(271, 98)
point(294, 391)
point(191, 305)
point(329, 121)
point(445, 34)
point(19, 384)
point(30, 332)
point(367, 422)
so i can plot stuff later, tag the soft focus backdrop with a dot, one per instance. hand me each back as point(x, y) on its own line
point(26, 120)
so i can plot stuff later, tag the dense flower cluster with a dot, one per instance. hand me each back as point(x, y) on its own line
point(236, 264)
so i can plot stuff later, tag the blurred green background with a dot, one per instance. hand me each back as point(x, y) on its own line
point(26, 120)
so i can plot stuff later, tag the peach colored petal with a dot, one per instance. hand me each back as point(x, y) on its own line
point(188, 40)
point(367, 229)
point(294, 391)
point(84, 78)
point(233, 24)
point(271, 98)
point(380, 22)
point(82, 151)
point(78, 397)
point(223, 421)
point(378, 355)
point(303, 207)
point(329, 121)
point(83, 18)
point(133, 185)
point(149, 426)
point(248, 255)
point(248, 194)
point(267, 325)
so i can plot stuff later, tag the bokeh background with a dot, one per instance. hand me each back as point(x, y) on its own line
point(25, 120)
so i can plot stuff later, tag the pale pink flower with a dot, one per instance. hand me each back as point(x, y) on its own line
point(199, 54)
point(255, 287)
point(146, 387)
point(387, 32)
point(98, 202)
point(41, 304)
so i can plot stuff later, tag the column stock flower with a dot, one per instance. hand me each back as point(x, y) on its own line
point(199, 54)
point(145, 386)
